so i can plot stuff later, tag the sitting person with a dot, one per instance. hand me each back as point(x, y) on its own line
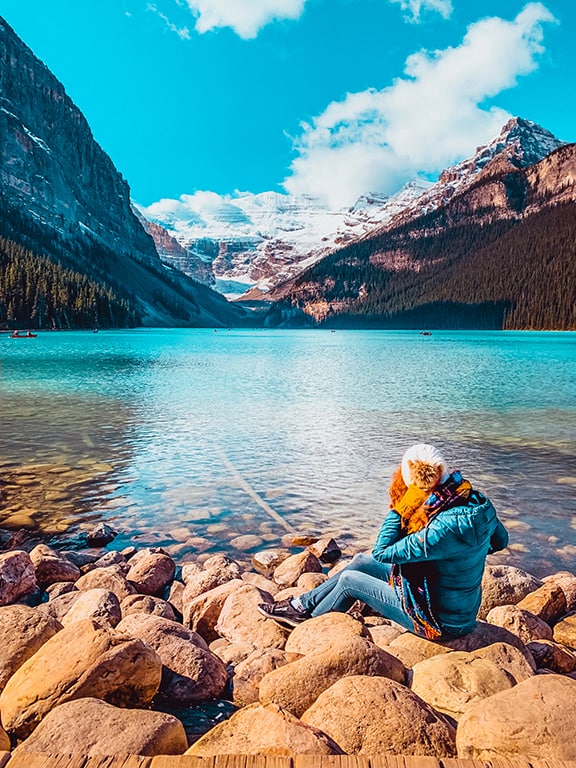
point(425, 572)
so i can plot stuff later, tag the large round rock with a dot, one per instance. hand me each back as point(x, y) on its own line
point(17, 576)
point(263, 730)
point(321, 631)
point(536, 719)
point(387, 718)
point(240, 621)
point(297, 685)
point(191, 673)
point(505, 585)
point(83, 660)
point(23, 631)
point(151, 572)
point(454, 682)
point(92, 727)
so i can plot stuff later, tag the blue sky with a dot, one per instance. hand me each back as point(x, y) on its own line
point(326, 97)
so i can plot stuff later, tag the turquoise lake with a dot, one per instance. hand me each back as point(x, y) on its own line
point(227, 441)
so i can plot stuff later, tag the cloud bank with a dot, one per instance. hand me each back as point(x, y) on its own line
point(245, 17)
point(376, 140)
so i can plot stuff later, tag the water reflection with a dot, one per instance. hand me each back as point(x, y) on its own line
point(191, 440)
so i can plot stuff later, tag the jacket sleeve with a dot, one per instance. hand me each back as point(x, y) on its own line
point(434, 542)
point(499, 539)
point(390, 532)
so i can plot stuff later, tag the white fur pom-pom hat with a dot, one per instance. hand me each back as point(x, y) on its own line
point(422, 453)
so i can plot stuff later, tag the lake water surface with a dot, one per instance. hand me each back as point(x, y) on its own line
point(227, 441)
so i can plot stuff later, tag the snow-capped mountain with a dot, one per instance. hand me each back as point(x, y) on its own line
point(520, 144)
point(256, 242)
point(261, 240)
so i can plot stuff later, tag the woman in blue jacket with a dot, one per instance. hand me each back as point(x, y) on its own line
point(426, 568)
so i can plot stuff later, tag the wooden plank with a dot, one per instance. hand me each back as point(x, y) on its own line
point(404, 761)
point(45, 760)
point(457, 762)
point(118, 761)
point(330, 761)
point(182, 761)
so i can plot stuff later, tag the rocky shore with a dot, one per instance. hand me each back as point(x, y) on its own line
point(97, 646)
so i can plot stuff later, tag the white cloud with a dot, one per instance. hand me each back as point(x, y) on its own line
point(378, 139)
point(413, 8)
point(245, 17)
point(182, 32)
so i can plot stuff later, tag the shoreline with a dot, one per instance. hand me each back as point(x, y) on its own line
point(202, 647)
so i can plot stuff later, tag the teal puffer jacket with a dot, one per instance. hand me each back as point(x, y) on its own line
point(453, 546)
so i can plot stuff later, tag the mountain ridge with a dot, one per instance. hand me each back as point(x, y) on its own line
point(62, 197)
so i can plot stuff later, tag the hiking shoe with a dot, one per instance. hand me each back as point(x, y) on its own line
point(283, 613)
point(355, 611)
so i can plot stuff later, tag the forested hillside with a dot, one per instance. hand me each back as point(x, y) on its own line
point(38, 293)
point(501, 254)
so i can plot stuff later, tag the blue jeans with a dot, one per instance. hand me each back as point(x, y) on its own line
point(364, 579)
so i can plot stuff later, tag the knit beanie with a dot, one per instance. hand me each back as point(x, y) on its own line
point(422, 453)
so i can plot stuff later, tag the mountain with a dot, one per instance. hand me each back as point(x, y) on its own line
point(62, 198)
point(254, 242)
point(490, 246)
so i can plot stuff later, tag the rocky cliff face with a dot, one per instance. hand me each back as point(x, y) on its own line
point(175, 255)
point(51, 166)
point(61, 196)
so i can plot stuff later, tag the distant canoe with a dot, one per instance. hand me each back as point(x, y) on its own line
point(18, 335)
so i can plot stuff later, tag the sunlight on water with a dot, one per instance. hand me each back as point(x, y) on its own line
point(205, 441)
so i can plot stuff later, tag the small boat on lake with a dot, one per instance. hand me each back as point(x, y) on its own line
point(27, 335)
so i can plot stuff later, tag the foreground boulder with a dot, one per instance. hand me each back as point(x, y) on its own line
point(263, 730)
point(290, 570)
point(374, 716)
point(98, 604)
point(83, 660)
point(536, 719)
point(505, 585)
point(548, 602)
point(454, 682)
point(411, 649)
point(191, 673)
point(321, 631)
point(249, 672)
point(565, 631)
point(110, 578)
point(17, 576)
point(240, 621)
point(216, 570)
point(520, 622)
point(202, 613)
point(23, 631)
point(52, 567)
point(151, 572)
point(567, 583)
point(92, 727)
point(297, 685)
